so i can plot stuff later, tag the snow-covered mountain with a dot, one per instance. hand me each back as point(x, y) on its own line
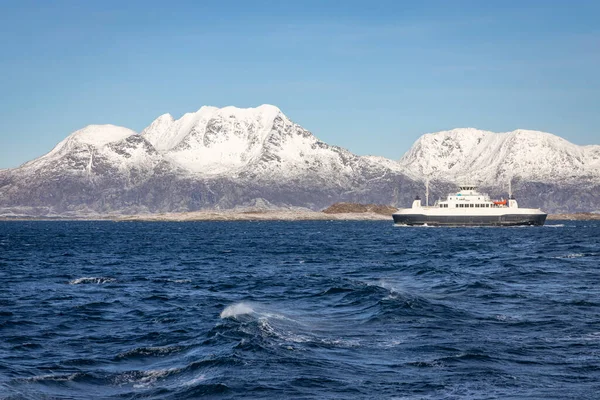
point(213, 158)
point(486, 157)
point(218, 158)
point(261, 142)
point(546, 170)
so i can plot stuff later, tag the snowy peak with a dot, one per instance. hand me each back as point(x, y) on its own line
point(441, 152)
point(219, 140)
point(100, 135)
point(485, 156)
point(90, 138)
point(166, 133)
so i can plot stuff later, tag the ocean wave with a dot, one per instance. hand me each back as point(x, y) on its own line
point(235, 310)
point(141, 378)
point(149, 352)
point(171, 280)
point(196, 380)
point(57, 377)
point(446, 313)
point(99, 280)
point(264, 328)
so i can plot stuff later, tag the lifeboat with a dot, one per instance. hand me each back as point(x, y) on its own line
point(500, 202)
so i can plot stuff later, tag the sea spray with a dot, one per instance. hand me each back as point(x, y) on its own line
point(237, 309)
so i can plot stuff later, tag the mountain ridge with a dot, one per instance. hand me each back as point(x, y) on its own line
point(468, 153)
point(221, 158)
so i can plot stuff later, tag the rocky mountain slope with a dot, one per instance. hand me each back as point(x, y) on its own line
point(222, 158)
point(213, 158)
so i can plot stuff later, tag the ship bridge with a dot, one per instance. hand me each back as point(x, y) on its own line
point(468, 188)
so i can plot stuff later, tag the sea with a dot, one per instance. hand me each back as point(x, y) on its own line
point(298, 310)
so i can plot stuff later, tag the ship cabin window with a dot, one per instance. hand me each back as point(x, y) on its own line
point(472, 205)
point(477, 205)
point(456, 205)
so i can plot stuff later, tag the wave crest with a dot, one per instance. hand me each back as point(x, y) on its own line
point(92, 279)
point(237, 309)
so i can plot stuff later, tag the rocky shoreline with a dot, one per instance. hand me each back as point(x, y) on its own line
point(575, 217)
point(336, 212)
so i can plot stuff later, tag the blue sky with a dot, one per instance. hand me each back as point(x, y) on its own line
point(368, 76)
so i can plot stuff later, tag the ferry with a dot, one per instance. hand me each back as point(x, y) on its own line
point(468, 207)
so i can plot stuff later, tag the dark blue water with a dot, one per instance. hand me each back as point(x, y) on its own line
point(298, 310)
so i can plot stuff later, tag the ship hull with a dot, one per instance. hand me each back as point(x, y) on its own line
point(470, 220)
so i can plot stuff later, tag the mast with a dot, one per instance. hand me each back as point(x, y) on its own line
point(427, 192)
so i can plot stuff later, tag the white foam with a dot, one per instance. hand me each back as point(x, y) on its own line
point(195, 380)
point(150, 377)
point(178, 280)
point(237, 309)
point(142, 379)
point(575, 255)
point(92, 279)
point(393, 291)
point(54, 377)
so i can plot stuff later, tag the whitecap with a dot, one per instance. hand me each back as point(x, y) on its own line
point(54, 377)
point(236, 310)
point(393, 292)
point(150, 351)
point(92, 279)
point(573, 255)
point(142, 379)
point(195, 380)
point(171, 280)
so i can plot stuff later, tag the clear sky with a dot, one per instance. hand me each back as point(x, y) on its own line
point(370, 76)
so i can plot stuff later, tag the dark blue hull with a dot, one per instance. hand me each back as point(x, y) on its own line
point(470, 220)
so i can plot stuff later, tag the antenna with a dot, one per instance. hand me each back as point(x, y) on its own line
point(510, 187)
